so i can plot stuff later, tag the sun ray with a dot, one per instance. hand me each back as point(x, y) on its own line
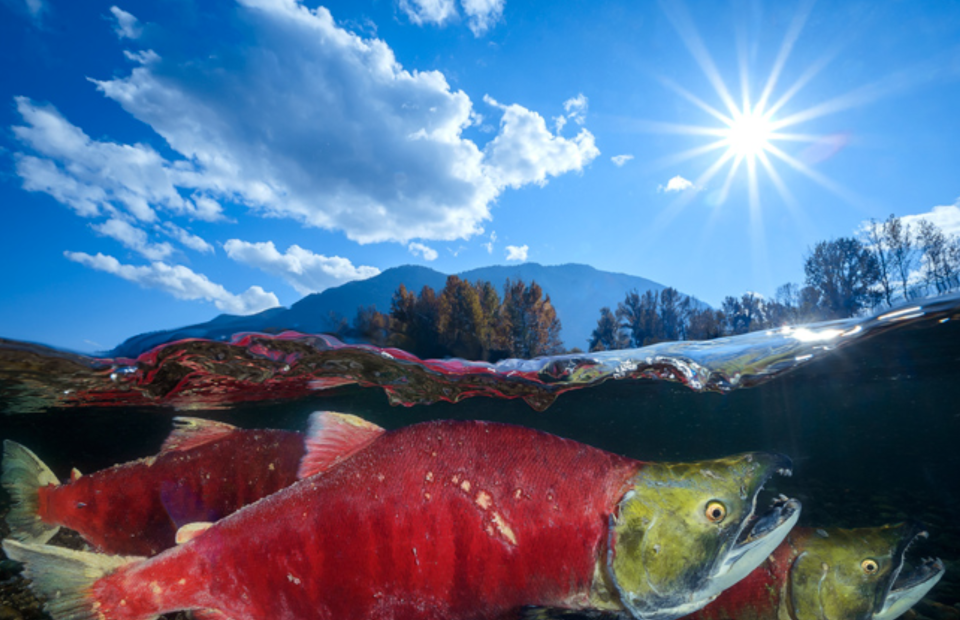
point(689, 154)
point(677, 14)
point(819, 178)
point(709, 109)
point(796, 26)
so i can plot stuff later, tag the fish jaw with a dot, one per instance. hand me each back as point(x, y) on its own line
point(756, 543)
point(674, 562)
point(908, 589)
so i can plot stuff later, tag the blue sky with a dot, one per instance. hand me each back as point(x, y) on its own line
point(161, 163)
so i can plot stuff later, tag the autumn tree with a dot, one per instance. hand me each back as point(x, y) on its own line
point(371, 326)
point(460, 321)
point(530, 321)
point(844, 273)
point(608, 335)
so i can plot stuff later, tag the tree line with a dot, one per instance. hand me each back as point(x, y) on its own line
point(887, 262)
point(465, 320)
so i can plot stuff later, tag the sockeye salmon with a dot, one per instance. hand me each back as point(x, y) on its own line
point(204, 471)
point(451, 520)
point(832, 573)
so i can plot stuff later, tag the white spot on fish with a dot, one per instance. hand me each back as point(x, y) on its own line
point(465, 486)
point(429, 476)
point(292, 579)
point(271, 467)
point(484, 500)
point(504, 528)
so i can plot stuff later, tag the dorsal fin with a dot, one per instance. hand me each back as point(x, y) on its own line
point(192, 432)
point(333, 437)
point(191, 531)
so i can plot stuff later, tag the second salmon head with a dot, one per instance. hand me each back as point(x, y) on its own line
point(685, 532)
point(858, 574)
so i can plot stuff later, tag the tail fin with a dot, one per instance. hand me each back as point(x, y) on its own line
point(64, 577)
point(23, 476)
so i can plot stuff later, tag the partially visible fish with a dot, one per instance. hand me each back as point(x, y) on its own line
point(451, 520)
point(204, 471)
point(832, 573)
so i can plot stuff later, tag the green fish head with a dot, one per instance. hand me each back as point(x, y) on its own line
point(684, 532)
point(856, 574)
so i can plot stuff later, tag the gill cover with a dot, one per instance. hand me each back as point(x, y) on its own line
point(686, 531)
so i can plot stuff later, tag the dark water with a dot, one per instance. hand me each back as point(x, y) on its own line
point(869, 411)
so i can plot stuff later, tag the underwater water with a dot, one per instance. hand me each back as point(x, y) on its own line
point(869, 410)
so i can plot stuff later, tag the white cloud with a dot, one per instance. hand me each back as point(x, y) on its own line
point(619, 160)
point(426, 252)
point(186, 238)
point(126, 26)
point(180, 282)
point(314, 123)
point(489, 244)
point(947, 218)
point(94, 177)
point(134, 238)
point(302, 269)
point(526, 152)
point(515, 252)
point(436, 12)
point(676, 184)
point(482, 14)
point(575, 110)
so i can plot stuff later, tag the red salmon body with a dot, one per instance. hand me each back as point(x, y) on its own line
point(135, 508)
point(438, 520)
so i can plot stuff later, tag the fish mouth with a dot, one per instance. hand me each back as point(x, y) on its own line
point(908, 588)
point(758, 537)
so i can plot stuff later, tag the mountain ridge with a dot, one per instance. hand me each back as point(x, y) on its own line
point(577, 292)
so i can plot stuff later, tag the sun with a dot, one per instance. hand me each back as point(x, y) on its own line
point(751, 131)
point(749, 134)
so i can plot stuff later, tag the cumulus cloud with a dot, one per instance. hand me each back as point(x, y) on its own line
point(95, 177)
point(436, 12)
point(134, 238)
point(515, 252)
point(186, 238)
point(302, 269)
point(947, 218)
point(619, 160)
point(426, 252)
point(313, 123)
point(482, 14)
point(125, 25)
point(181, 282)
point(676, 184)
point(525, 151)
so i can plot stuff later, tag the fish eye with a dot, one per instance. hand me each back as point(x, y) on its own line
point(715, 511)
point(869, 566)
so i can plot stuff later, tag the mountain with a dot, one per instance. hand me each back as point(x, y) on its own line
point(577, 292)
